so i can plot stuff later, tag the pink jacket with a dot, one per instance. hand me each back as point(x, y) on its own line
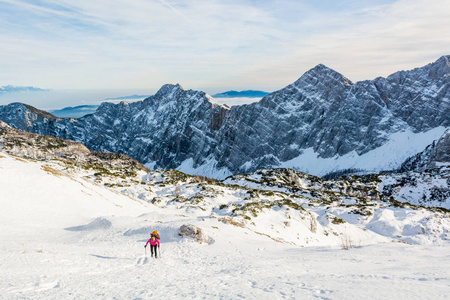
point(153, 243)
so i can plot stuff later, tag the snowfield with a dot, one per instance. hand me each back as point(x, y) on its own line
point(386, 157)
point(67, 235)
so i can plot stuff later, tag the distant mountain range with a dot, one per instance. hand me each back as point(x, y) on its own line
point(243, 94)
point(82, 110)
point(131, 97)
point(74, 112)
point(321, 123)
point(12, 88)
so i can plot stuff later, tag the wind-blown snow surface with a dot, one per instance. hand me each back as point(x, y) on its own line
point(63, 236)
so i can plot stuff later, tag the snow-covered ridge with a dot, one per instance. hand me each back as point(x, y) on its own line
point(322, 118)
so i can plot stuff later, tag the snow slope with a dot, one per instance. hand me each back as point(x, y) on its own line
point(65, 235)
point(386, 157)
point(37, 198)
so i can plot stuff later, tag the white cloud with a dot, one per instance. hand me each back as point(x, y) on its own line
point(366, 43)
point(213, 45)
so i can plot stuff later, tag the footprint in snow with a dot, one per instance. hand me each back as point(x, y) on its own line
point(142, 261)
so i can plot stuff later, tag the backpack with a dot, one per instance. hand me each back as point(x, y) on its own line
point(155, 234)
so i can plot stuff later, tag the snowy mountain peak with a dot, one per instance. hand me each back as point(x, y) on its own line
point(104, 106)
point(168, 90)
point(20, 115)
point(445, 60)
point(323, 73)
point(438, 70)
point(175, 92)
point(441, 67)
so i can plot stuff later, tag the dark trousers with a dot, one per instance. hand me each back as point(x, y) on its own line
point(153, 248)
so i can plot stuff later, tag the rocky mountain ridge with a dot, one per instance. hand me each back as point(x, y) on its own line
point(48, 148)
point(434, 155)
point(322, 116)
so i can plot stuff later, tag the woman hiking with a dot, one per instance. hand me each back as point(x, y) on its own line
point(154, 242)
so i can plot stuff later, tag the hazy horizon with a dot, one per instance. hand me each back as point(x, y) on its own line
point(58, 99)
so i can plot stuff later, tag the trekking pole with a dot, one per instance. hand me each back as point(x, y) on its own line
point(159, 250)
point(145, 252)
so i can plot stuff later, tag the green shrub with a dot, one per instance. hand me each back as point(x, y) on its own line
point(336, 220)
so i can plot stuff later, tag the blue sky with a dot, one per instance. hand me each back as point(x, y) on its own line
point(213, 45)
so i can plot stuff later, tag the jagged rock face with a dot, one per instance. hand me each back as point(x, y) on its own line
point(322, 110)
point(327, 112)
point(420, 161)
point(420, 97)
point(167, 128)
point(441, 153)
point(435, 154)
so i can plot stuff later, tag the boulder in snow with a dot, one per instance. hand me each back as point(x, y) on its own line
point(195, 233)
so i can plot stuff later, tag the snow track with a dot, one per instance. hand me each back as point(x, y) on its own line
point(93, 249)
point(188, 270)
